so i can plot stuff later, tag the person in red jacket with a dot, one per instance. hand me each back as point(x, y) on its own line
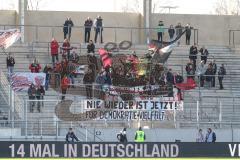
point(64, 86)
point(35, 67)
point(54, 50)
point(66, 47)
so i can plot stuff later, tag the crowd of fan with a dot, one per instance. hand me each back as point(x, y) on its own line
point(178, 30)
point(206, 73)
point(62, 71)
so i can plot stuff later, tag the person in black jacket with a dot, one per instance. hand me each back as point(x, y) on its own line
point(31, 95)
point(214, 68)
point(47, 69)
point(88, 25)
point(40, 92)
point(221, 73)
point(170, 77)
point(122, 136)
point(178, 31)
point(88, 79)
point(70, 136)
point(67, 28)
point(171, 32)
point(98, 27)
point(204, 54)
point(90, 47)
point(10, 65)
point(193, 55)
point(209, 75)
point(188, 34)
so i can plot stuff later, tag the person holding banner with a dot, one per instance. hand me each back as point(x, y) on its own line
point(140, 135)
point(66, 47)
point(35, 67)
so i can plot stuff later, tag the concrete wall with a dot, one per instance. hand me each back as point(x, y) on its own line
point(9, 132)
point(162, 135)
point(7, 17)
point(213, 29)
point(57, 18)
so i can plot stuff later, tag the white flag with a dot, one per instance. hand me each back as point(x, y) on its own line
point(8, 37)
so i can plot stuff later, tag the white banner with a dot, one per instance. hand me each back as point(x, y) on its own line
point(162, 104)
point(22, 80)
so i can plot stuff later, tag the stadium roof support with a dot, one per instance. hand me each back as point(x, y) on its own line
point(22, 7)
point(147, 11)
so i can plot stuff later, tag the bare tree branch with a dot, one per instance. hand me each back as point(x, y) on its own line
point(226, 7)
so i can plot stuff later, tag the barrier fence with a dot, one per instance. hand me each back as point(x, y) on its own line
point(34, 33)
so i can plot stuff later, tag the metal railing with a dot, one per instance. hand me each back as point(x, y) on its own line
point(34, 33)
point(14, 102)
point(233, 37)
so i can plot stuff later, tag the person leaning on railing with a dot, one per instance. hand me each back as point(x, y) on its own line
point(98, 27)
point(88, 25)
point(67, 28)
point(160, 31)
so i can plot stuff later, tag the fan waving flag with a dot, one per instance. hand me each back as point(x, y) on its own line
point(8, 37)
point(106, 59)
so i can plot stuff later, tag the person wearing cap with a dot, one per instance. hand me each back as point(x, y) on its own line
point(140, 135)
